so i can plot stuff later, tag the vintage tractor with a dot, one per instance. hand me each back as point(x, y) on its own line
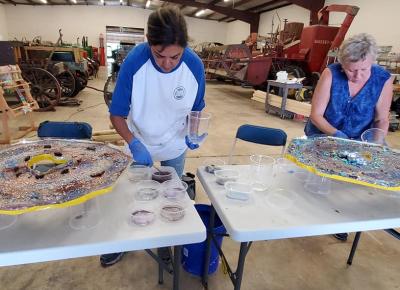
point(304, 56)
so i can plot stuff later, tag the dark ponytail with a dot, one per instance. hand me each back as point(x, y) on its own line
point(167, 26)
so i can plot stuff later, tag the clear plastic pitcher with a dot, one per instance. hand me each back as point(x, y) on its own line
point(198, 123)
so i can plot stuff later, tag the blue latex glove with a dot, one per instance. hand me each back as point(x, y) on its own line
point(140, 153)
point(340, 134)
point(193, 146)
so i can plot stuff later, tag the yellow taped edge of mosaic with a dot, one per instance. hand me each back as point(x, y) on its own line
point(73, 202)
point(338, 177)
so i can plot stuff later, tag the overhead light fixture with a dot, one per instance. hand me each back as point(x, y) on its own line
point(44, 1)
point(102, 1)
point(121, 2)
point(199, 13)
point(226, 0)
point(73, 1)
point(148, 3)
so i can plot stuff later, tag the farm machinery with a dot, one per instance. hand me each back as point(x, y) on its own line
point(302, 52)
point(55, 73)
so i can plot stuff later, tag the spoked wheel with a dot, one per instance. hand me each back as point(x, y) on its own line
point(81, 80)
point(45, 88)
point(67, 83)
point(109, 87)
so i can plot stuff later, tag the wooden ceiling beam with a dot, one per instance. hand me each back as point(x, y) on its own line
point(273, 2)
point(223, 18)
point(12, 2)
point(252, 18)
point(240, 3)
point(209, 15)
point(276, 7)
point(197, 10)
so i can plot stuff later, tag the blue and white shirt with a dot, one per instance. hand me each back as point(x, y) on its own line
point(156, 103)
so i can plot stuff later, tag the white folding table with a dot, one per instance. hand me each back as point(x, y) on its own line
point(46, 235)
point(348, 208)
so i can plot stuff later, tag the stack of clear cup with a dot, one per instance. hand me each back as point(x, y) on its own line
point(261, 172)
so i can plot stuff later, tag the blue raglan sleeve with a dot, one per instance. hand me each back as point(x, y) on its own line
point(196, 66)
point(121, 98)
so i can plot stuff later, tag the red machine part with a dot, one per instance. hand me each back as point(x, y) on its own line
point(323, 16)
point(310, 53)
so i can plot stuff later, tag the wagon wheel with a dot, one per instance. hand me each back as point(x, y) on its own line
point(109, 87)
point(81, 81)
point(236, 60)
point(67, 83)
point(45, 88)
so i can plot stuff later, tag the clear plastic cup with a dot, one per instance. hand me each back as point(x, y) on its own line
point(198, 123)
point(318, 184)
point(261, 172)
point(374, 135)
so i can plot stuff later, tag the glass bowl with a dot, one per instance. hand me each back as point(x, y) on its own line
point(225, 175)
point(281, 198)
point(174, 190)
point(147, 190)
point(237, 190)
point(138, 172)
point(141, 216)
point(374, 135)
point(172, 211)
point(162, 176)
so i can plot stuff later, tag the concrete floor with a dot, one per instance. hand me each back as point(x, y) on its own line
point(302, 263)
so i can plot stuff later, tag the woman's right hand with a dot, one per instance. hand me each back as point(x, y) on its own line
point(140, 153)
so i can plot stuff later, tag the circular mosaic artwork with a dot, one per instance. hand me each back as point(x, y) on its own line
point(347, 160)
point(56, 173)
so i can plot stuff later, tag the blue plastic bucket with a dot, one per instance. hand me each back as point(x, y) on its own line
point(193, 255)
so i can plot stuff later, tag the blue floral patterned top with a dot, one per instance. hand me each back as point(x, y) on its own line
point(351, 115)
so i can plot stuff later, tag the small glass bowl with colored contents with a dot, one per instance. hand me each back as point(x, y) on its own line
point(172, 211)
point(141, 215)
point(162, 175)
point(225, 175)
point(147, 190)
point(174, 190)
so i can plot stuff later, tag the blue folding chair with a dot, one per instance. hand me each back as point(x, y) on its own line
point(259, 135)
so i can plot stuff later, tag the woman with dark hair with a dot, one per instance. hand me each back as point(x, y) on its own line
point(160, 82)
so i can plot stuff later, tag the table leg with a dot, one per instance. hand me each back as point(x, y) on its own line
point(283, 105)
point(353, 248)
point(207, 255)
point(240, 267)
point(160, 268)
point(177, 265)
point(267, 105)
